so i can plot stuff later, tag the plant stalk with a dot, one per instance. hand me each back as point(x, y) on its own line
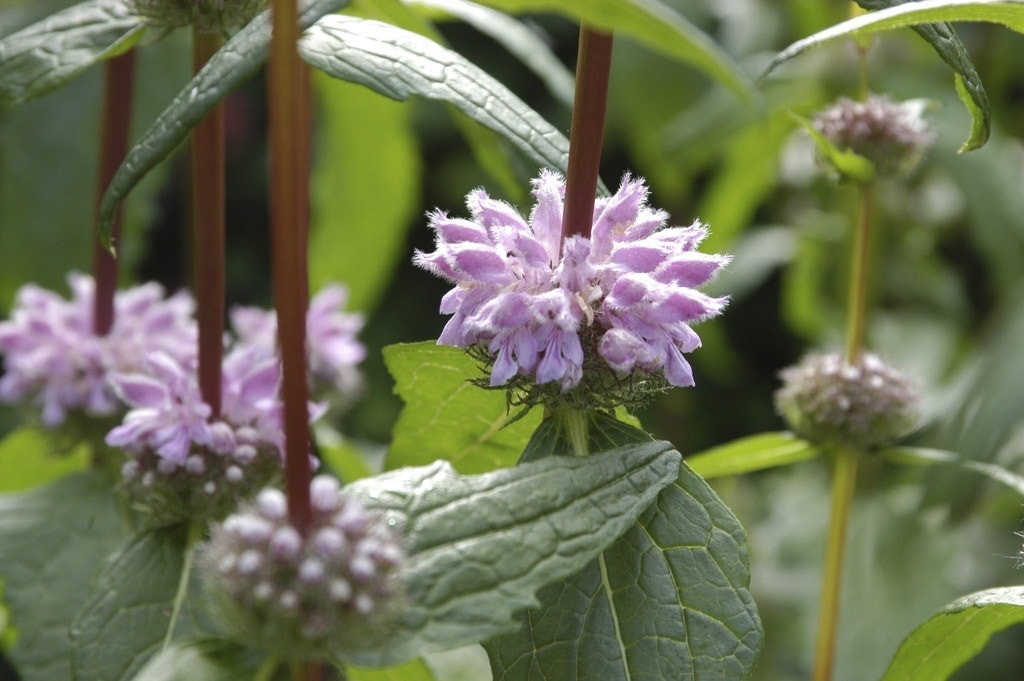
point(593, 66)
point(289, 196)
point(118, 76)
point(208, 225)
point(844, 482)
point(857, 301)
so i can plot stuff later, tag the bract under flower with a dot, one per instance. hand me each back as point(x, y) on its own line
point(530, 300)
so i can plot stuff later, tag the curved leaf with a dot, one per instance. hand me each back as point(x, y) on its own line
point(480, 547)
point(47, 54)
point(949, 639)
point(398, 63)
point(233, 63)
point(752, 453)
point(921, 455)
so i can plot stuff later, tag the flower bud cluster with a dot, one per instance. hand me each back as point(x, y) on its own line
point(304, 594)
point(863, 405)
point(892, 135)
point(204, 15)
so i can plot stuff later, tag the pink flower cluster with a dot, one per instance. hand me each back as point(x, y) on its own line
point(527, 296)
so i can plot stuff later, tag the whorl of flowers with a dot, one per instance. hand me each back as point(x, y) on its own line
point(182, 461)
point(620, 302)
point(54, 361)
point(334, 350)
point(304, 593)
point(205, 15)
point(892, 135)
point(864, 405)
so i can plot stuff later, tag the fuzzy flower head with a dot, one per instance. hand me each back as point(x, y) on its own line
point(205, 15)
point(892, 135)
point(55, 363)
point(614, 308)
point(182, 461)
point(303, 595)
point(334, 349)
point(864, 405)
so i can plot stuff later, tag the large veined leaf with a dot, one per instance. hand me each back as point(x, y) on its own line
point(1009, 13)
point(47, 54)
point(52, 541)
point(446, 416)
point(949, 639)
point(480, 547)
point(398, 63)
point(668, 600)
point(653, 23)
point(239, 58)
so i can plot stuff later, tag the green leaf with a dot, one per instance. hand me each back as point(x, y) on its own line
point(205, 659)
point(927, 17)
point(50, 539)
point(47, 54)
point(481, 546)
point(398, 63)
point(26, 460)
point(921, 455)
point(367, 173)
point(446, 416)
point(580, 434)
point(949, 639)
point(752, 453)
point(668, 600)
point(847, 163)
point(125, 620)
point(653, 23)
point(415, 670)
point(239, 58)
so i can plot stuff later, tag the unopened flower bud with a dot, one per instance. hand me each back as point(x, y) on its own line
point(864, 405)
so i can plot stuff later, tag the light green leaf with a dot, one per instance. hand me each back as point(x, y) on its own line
point(47, 54)
point(481, 546)
point(125, 620)
point(668, 600)
point(446, 416)
point(415, 670)
point(847, 163)
point(239, 58)
point(365, 192)
point(653, 23)
point(206, 659)
point(752, 453)
point(949, 639)
point(921, 455)
point(50, 539)
point(27, 460)
point(398, 63)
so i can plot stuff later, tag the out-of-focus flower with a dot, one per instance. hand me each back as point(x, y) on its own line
point(545, 309)
point(54, 361)
point(892, 135)
point(302, 594)
point(334, 350)
point(205, 15)
point(864, 405)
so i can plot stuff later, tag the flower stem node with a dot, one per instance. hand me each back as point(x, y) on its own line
point(863, 405)
point(305, 594)
point(225, 16)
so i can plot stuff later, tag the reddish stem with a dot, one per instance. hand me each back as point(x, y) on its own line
point(593, 65)
point(117, 114)
point(208, 225)
point(289, 196)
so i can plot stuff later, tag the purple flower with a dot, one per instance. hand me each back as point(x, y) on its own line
point(54, 361)
point(532, 301)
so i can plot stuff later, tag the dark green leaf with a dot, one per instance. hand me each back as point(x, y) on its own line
point(920, 455)
point(398, 63)
point(752, 453)
point(240, 57)
point(126, 618)
point(208, 659)
point(668, 600)
point(26, 460)
point(446, 416)
point(949, 639)
point(46, 55)
point(580, 434)
point(481, 546)
point(52, 541)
